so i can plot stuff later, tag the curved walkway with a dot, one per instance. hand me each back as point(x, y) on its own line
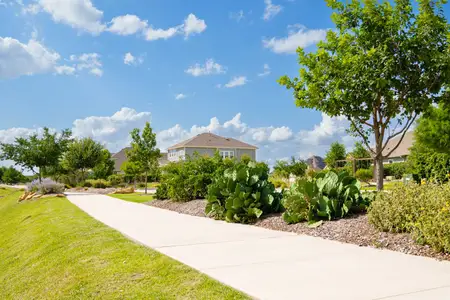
point(270, 264)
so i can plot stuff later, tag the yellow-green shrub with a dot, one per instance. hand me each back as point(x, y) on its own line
point(423, 211)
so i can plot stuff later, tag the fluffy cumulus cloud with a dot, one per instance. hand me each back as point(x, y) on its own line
point(79, 14)
point(180, 96)
point(153, 34)
point(298, 36)
point(236, 81)
point(209, 68)
point(18, 59)
point(273, 142)
point(271, 10)
point(131, 60)
point(127, 25)
point(193, 25)
point(88, 61)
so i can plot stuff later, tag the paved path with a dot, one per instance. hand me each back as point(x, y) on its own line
point(271, 264)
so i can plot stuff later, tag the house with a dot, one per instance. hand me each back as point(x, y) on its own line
point(315, 163)
point(121, 157)
point(402, 152)
point(208, 143)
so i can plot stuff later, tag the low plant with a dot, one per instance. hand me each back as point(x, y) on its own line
point(242, 194)
point(278, 182)
point(364, 175)
point(116, 179)
point(86, 184)
point(47, 186)
point(326, 196)
point(396, 170)
point(97, 183)
point(162, 191)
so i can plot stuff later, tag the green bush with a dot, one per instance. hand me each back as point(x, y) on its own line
point(242, 194)
point(162, 191)
point(97, 183)
point(364, 175)
point(278, 182)
point(116, 179)
point(397, 170)
point(87, 184)
point(326, 196)
point(423, 211)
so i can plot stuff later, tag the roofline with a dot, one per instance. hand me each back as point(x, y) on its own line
point(206, 147)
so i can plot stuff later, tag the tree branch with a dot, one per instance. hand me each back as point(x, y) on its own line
point(403, 135)
point(406, 127)
point(363, 136)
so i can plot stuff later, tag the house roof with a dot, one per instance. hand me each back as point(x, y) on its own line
point(121, 157)
point(403, 148)
point(210, 140)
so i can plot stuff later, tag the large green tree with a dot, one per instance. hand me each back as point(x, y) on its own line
point(383, 65)
point(82, 155)
point(336, 152)
point(105, 166)
point(132, 170)
point(38, 152)
point(358, 152)
point(433, 129)
point(143, 150)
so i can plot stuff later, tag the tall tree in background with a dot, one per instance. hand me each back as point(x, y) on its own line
point(359, 151)
point(336, 152)
point(131, 169)
point(82, 155)
point(37, 153)
point(382, 66)
point(105, 165)
point(433, 129)
point(143, 150)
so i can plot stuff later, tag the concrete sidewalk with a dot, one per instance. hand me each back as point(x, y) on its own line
point(270, 264)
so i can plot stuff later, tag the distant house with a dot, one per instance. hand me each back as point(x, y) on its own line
point(402, 152)
point(121, 157)
point(316, 163)
point(208, 143)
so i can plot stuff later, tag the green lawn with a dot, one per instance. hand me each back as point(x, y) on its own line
point(50, 249)
point(388, 185)
point(135, 197)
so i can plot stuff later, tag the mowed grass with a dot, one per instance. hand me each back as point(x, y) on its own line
point(50, 249)
point(387, 186)
point(135, 197)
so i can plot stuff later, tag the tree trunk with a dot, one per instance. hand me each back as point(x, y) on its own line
point(379, 172)
point(146, 182)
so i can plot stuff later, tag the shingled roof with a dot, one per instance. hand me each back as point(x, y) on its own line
point(403, 148)
point(210, 140)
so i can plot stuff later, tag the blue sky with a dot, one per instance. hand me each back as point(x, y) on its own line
point(103, 67)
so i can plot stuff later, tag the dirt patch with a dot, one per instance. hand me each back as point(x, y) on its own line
point(193, 208)
point(353, 230)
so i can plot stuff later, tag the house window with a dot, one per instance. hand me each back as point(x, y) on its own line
point(227, 154)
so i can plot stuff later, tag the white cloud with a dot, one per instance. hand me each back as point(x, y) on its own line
point(209, 68)
point(152, 34)
point(79, 14)
point(271, 10)
point(266, 71)
point(193, 25)
point(127, 25)
point(88, 61)
point(18, 59)
point(280, 134)
point(236, 81)
point(180, 96)
point(32, 9)
point(131, 60)
point(65, 70)
point(237, 16)
point(300, 37)
point(326, 130)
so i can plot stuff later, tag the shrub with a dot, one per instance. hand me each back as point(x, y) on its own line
point(364, 175)
point(242, 194)
point(423, 211)
point(116, 179)
point(326, 196)
point(278, 183)
point(396, 170)
point(141, 185)
point(97, 183)
point(87, 184)
point(162, 191)
point(47, 186)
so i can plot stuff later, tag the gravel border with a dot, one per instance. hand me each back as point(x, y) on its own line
point(353, 230)
point(91, 190)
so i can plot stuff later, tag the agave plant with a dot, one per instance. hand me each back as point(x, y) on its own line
point(326, 196)
point(242, 194)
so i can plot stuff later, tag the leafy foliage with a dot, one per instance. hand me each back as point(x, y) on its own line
point(383, 65)
point(82, 155)
point(327, 196)
point(364, 175)
point(428, 164)
point(143, 150)
point(162, 191)
point(433, 129)
point(285, 168)
point(359, 151)
point(397, 170)
point(242, 194)
point(45, 186)
point(423, 211)
point(116, 179)
point(97, 183)
point(104, 167)
point(12, 176)
point(37, 153)
point(336, 152)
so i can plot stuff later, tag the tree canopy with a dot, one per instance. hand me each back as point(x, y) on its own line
point(433, 129)
point(83, 155)
point(37, 153)
point(337, 152)
point(143, 150)
point(295, 167)
point(105, 166)
point(383, 65)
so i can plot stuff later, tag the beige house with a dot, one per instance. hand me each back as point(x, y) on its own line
point(121, 157)
point(208, 143)
point(402, 152)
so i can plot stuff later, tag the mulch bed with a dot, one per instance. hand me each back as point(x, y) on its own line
point(354, 230)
